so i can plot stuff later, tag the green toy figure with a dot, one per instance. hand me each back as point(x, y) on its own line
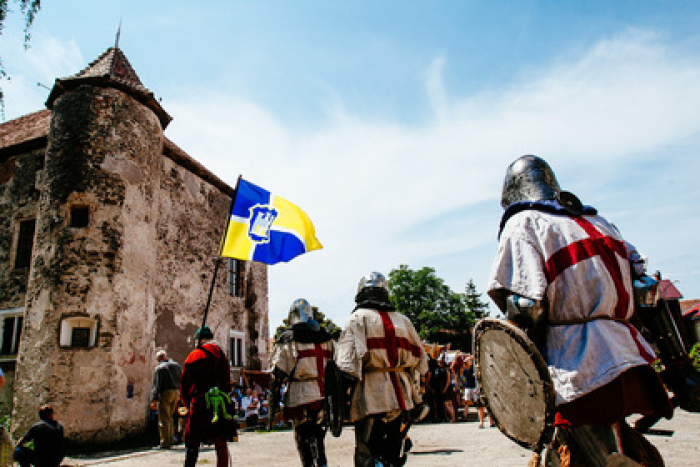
point(216, 399)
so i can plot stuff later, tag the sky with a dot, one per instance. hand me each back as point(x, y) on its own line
point(391, 123)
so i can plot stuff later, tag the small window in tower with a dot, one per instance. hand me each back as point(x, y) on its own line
point(78, 332)
point(80, 337)
point(25, 244)
point(79, 216)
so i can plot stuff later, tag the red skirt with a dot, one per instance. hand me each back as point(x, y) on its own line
point(299, 412)
point(638, 390)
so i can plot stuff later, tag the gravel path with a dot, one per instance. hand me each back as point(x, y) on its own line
point(458, 444)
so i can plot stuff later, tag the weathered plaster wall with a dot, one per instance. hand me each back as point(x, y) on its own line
point(192, 218)
point(141, 268)
point(19, 197)
point(258, 317)
point(104, 152)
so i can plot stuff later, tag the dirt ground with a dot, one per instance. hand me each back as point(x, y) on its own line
point(450, 444)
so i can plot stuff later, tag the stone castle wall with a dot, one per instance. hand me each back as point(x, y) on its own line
point(140, 270)
point(191, 223)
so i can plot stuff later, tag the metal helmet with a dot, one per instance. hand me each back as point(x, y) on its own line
point(529, 178)
point(373, 279)
point(300, 312)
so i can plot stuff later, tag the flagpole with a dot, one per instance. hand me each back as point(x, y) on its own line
point(217, 263)
point(228, 218)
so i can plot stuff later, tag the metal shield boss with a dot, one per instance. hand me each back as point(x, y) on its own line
point(336, 398)
point(514, 380)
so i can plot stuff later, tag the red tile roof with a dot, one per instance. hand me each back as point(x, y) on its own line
point(688, 304)
point(31, 130)
point(669, 291)
point(183, 159)
point(692, 313)
point(113, 65)
point(111, 69)
point(24, 130)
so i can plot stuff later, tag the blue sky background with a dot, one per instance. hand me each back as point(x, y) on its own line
point(392, 123)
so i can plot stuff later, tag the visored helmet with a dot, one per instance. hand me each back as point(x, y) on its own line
point(300, 312)
point(373, 279)
point(530, 178)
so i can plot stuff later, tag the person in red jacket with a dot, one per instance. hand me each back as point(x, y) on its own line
point(205, 368)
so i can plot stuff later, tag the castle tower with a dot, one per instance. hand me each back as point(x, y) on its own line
point(88, 338)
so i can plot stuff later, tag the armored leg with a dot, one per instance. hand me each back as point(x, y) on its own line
point(191, 455)
point(379, 441)
point(363, 453)
point(318, 447)
point(580, 450)
point(303, 436)
point(387, 442)
point(615, 445)
point(637, 447)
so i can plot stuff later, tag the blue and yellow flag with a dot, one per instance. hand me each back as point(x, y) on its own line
point(266, 228)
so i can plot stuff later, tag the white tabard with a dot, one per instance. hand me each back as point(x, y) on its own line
point(580, 266)
point(307, 383)
point(384, 352)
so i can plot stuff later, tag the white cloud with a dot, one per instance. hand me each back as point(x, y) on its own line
point(366, 184)
point(382, 193)
point(34, 70)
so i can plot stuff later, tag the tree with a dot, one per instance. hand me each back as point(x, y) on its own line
point(28, 9)
point(326, 323)
point(439, 314)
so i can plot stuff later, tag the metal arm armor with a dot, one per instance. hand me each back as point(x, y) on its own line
point(525, 312)
point(530, 316)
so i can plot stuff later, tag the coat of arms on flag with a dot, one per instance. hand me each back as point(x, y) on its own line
point(265, 227)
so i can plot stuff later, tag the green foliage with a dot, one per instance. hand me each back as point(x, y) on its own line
point(439, 314)
point(28, 9)
point(695, 355)
point(324, 321)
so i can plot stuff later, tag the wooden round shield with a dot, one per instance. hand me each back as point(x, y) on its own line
point(514, 380)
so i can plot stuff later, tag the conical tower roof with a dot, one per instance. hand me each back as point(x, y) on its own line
point(111, 69)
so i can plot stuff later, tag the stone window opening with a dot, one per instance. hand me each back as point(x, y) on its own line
point(79, 332)
point(236, 349)
point(235, 277)
point(11, 322)
point(79, 216)
point(25, 244)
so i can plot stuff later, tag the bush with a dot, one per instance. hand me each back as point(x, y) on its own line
point(695, 355)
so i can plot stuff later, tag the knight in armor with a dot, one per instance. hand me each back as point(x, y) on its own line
point(563, 274)
point(381, 352)
point(299, 357)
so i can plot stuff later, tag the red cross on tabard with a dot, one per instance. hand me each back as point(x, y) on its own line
point(392, 343)
point(321, 355)
point(606, 248)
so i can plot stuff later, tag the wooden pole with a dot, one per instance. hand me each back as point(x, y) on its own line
point(217, 263)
